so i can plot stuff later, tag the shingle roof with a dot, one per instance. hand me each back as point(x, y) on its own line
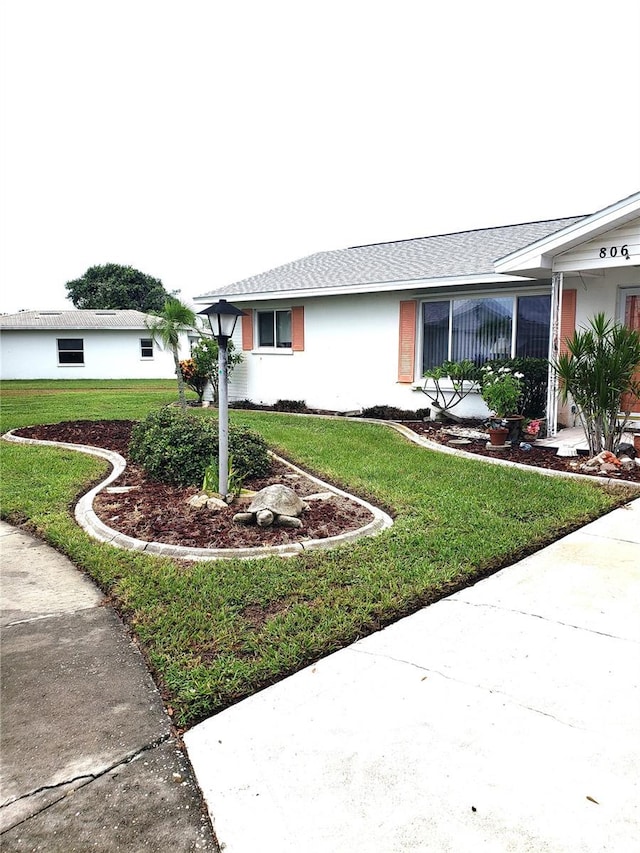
point(85, 319)
point(461, 254)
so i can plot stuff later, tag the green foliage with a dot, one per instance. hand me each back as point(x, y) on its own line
point(535, 376)
point(178, 448)
point(118, 287)
point(204, 366)
point(173, 447)
point(391, 413)
point(249, 454)
point(501, 389)
point(166, 327)
point(597, 370)
point(463, 376)
point(290, 406)
point(200, 624)
point(210, 479)
point(192, 377)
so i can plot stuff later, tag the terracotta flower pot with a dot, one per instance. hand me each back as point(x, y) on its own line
point(497, 436)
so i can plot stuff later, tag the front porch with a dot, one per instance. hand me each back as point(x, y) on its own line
point(573, 438)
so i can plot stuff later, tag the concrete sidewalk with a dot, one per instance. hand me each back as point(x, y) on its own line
point(88, 760)
point(503, 718)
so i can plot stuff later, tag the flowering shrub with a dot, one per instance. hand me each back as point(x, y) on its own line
point(535, 371)
point(532, 429)
point(501, 389)
point(193, 376)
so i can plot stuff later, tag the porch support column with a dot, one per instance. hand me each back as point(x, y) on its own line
point(554, 351)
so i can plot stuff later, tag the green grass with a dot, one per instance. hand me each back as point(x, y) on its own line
point(216, 632)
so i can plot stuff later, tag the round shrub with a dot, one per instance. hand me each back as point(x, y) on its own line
point(176, 448)
point(249, 451)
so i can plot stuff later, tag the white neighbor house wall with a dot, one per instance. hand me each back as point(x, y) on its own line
point(108, 354)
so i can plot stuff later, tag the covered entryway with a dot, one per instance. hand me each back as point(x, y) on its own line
point(595, 268)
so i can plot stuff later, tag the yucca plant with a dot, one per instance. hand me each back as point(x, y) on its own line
point(596, 372)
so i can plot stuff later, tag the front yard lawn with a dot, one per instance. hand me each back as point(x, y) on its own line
point(218, 631)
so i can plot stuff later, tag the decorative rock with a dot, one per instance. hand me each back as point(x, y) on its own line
point(320, 496)
point(216, 504)
point(607, 467)
point(198, 501)
point(119, 490)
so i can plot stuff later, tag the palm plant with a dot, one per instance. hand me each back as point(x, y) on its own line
point(166, 328)
point(597, 371)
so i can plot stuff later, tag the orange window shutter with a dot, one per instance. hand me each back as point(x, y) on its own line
point(567, 318)
point(247, 330)
point(407, 348)
point(297, 329)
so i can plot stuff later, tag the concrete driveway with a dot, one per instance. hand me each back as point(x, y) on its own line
point(503, 718)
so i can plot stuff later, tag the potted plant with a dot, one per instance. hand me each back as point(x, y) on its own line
point(501, 389)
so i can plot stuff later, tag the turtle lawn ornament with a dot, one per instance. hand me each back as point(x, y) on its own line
point(275, 504)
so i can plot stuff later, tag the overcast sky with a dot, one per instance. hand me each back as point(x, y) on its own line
point(203, 142)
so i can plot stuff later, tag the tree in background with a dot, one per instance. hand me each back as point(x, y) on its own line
point(115, 286)
point(202, 367)
point(166, 328)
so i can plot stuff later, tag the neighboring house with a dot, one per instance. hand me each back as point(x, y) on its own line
point(87, 344)
point(357, 327)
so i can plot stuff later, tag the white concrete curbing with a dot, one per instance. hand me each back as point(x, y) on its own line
point(97, 529)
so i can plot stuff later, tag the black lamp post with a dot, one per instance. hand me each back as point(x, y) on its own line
point(223, 318)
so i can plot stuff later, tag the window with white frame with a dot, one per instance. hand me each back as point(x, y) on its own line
point(146, 347)
point(274, 329)
point(484, 328)
point(70, 351)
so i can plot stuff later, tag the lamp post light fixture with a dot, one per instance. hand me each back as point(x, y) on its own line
point(223, 317)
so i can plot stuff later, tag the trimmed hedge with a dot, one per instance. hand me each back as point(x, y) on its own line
point(176, 448)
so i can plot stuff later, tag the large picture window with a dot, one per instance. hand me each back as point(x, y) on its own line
point(484, 328)
point(70, 351)
point(274, 329)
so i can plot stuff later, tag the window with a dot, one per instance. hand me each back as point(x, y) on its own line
point(274, 329)
point(146, 347)
point(484, 328)
point(70, 351)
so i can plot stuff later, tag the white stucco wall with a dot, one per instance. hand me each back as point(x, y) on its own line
point(350, 359)
point(108, 354)
point(601, 293)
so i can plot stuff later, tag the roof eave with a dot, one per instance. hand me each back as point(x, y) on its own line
point(536, 259)
point(348, 289)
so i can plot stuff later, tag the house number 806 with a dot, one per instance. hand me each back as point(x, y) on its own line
point(612, 252)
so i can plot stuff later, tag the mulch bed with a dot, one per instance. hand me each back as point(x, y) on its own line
point(537, 457)
point(156, 512)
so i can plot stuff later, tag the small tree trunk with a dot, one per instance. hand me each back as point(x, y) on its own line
point(181, 395)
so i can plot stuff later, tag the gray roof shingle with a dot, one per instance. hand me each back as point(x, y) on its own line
point(460, 254)
point(83, 319)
